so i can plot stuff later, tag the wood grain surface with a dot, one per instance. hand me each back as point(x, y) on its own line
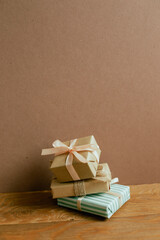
point(34, 215)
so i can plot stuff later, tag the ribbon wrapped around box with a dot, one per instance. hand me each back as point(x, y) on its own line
point(102, 204)
point(100, 183)
point(74, 160)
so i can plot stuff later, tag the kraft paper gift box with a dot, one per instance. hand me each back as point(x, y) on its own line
point(74, 160)
point(102, 204)
point(100, 183)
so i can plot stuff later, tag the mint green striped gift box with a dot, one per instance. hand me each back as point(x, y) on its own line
point(102, 204)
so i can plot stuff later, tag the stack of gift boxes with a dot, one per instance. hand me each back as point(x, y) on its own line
point(80, 182)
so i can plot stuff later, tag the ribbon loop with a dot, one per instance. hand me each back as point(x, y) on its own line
point(58, 143)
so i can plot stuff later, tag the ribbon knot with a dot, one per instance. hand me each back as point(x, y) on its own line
point(72, 150)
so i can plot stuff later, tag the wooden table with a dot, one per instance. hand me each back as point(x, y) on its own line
point(34, 215)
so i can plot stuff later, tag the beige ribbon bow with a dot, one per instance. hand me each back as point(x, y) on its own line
point(72, 150)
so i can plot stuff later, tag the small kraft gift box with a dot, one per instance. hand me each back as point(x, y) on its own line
point(75, 159)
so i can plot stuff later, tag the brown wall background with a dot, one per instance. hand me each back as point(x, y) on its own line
point(73, 68)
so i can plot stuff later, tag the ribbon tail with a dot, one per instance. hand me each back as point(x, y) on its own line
point(70, 167)
point(48, 151)
point(114, 180)
point(56, 151)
